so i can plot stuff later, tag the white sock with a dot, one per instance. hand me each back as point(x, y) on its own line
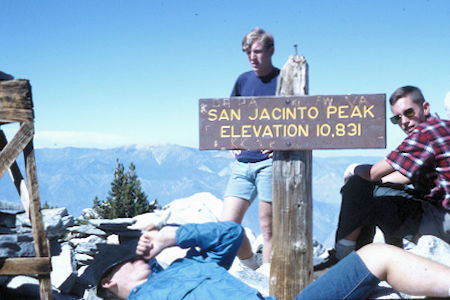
point(250, 262)
point(344, 247)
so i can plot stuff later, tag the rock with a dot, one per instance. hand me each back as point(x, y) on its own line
point(64, 273)
point(8, 212)
point(56, 221)
point(199, 208)
point(92, 239)
point(156, 219)
point(433, 248)
point(255, 279)
point(114, 225)
point(83, 259)
point(16, 245)
point(86, 230)
point(86, 248)
point(25, 287)
point(89, 213)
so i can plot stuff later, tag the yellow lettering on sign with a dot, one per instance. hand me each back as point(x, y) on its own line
point(233, 134)
point(277, 129)
point(313, 112)
point(245, 129)
point(302, 130)
point(356, 112)
point(264, 114)
point(302, 111)
point(292, 130)
point(341, 112)
point(267, 131)
point(276, 113)
point(290, 113)
point(235, 115)
point(331, 110)
point(212, 114)
point(367, 111)
point(257, 130)
point(224, 115)
point(224, 131)
point(255, 116)
point(230, 116)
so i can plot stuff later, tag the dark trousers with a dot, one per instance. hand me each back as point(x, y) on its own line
point(392, 207)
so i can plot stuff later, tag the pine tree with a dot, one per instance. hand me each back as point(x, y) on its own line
point(126, 198)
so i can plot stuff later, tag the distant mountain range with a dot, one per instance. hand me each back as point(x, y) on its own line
point(72, 177)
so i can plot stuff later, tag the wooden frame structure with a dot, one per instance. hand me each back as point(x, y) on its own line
point(16, 106)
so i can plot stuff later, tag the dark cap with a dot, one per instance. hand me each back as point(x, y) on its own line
point(5, 76)
point(107, 257)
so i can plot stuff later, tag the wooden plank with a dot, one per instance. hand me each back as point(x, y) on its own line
point(40, 239)
point(15, 94)
point(16, 115)
point(16, 176)
point(291, 256)
point(25, 265)
point(45, 287)
point(15, 146)
point(35, 213)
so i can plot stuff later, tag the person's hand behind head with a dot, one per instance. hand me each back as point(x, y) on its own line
point(151, 243)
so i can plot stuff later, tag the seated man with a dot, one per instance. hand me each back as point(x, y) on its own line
point(202, 273)
point(379, 195)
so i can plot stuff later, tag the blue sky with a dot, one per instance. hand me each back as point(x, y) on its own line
point(108, 73)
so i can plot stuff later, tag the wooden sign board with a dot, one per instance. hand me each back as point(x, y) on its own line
point(293, 122)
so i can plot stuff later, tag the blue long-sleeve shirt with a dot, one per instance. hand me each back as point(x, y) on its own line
point(202, 274)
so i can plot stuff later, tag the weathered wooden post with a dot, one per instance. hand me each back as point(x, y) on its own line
point(286, 124)
point(291, 257)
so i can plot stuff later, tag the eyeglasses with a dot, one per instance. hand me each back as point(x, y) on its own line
point(409, 113)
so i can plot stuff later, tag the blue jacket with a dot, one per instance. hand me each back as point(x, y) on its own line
point(202, 274)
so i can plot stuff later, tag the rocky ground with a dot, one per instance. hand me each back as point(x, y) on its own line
point(73, 244)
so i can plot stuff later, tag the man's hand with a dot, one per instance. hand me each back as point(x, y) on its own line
point(235, 153)
point(270, 152)
point(151, 243)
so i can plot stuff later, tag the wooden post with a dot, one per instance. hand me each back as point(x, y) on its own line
point(40, 243)
point(291, 257)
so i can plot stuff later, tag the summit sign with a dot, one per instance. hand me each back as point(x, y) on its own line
point(293, 123)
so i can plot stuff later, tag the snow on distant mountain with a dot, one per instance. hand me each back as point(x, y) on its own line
point(72, 177)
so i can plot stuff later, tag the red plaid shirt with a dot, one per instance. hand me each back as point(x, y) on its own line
point(424, 157)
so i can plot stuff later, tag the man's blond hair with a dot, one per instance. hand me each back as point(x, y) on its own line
point(257, 34)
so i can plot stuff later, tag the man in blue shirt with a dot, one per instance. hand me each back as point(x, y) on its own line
point(251, 173)
point(202, 273)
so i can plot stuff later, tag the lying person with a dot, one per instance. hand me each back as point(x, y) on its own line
point(202, 273)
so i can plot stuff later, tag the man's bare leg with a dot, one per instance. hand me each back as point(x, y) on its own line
point(234, 209)
point(265, 220)
point(405, 271)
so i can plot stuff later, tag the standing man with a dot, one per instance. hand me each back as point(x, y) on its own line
point(380, 194)
point(252, 171)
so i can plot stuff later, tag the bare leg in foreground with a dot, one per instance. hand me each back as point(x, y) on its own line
point(406, 272)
